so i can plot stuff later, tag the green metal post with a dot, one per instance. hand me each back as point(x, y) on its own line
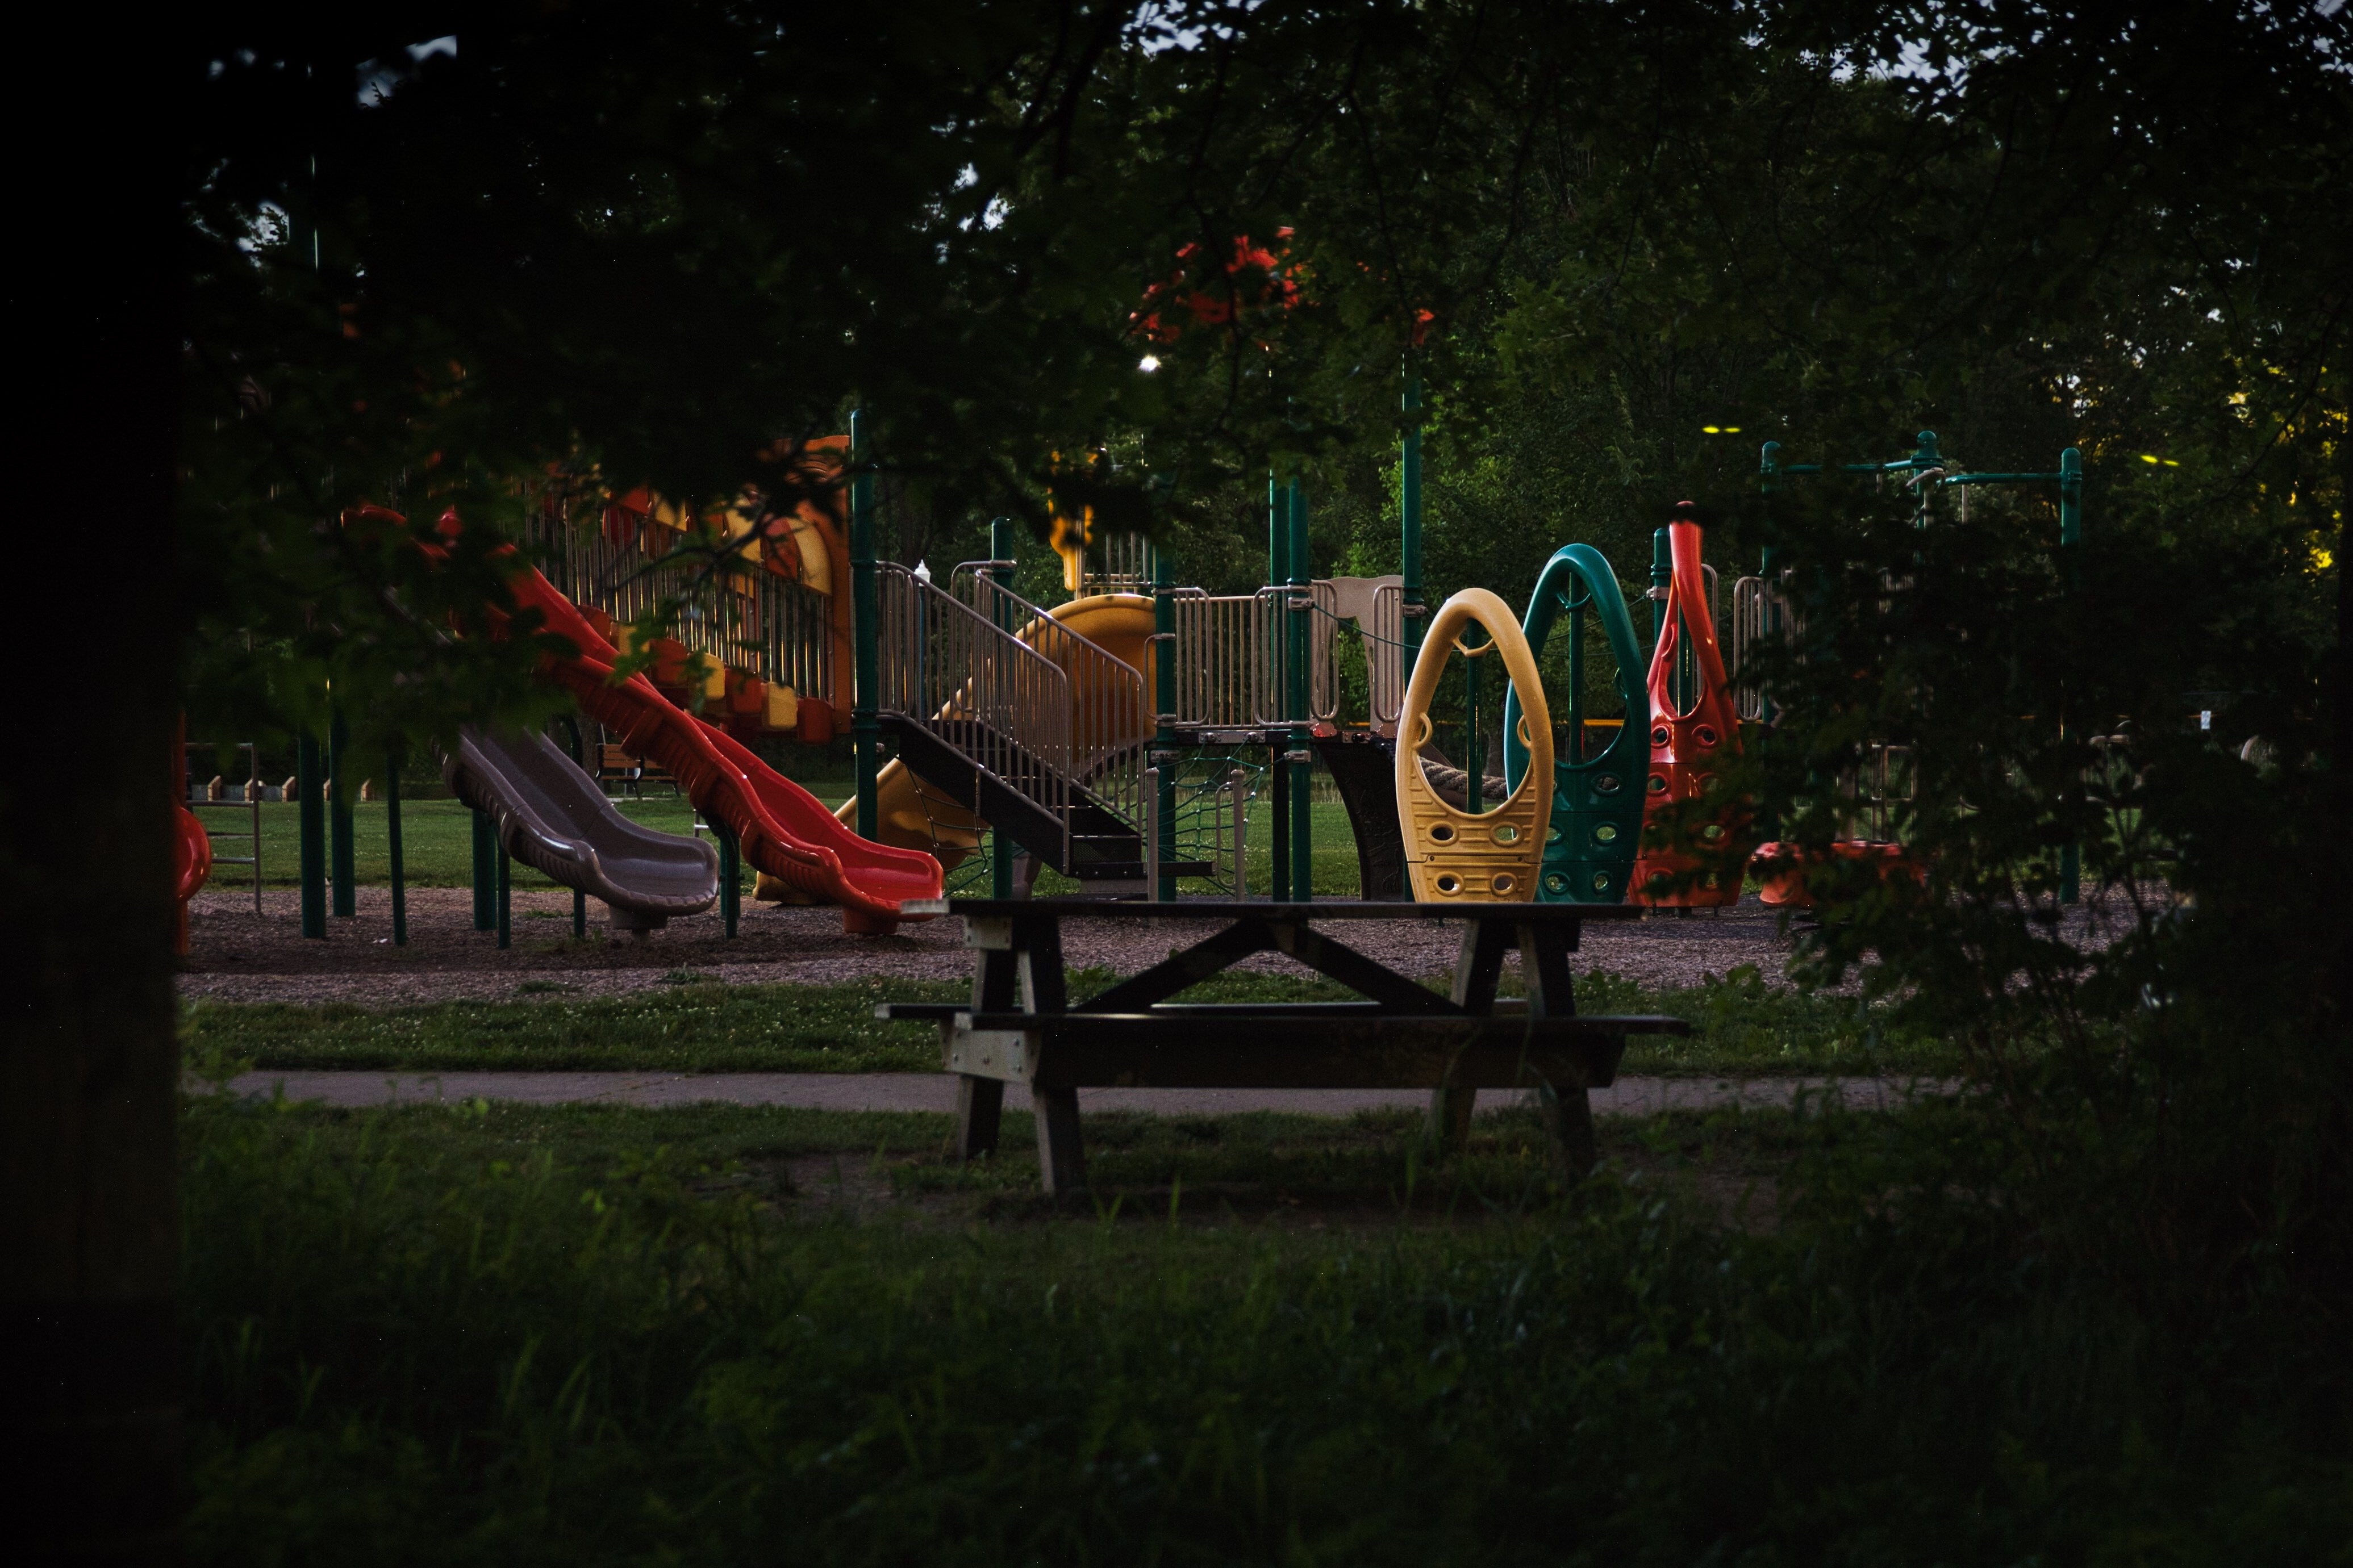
point(1164, 703)
point(1278, 576)
point(506, 898)
point(486, 872)
point(2071, 535)
point(1410, 511)
point(394, 849)
point(309, 780)
point(731, 879)
point(1301, 758)
point(2071, 498)
point(1769, 559)
point(1002, 847)
point(865, 609)
point(339, 820)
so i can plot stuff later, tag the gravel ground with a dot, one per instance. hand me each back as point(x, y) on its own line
point(236, 956)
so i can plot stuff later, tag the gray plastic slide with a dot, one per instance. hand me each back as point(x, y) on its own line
point(554, 818)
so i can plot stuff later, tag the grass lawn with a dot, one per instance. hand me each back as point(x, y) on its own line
point(437, 843)
point(695, 1026)
point(586, 1335)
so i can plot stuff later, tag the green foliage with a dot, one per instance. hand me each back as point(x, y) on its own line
point(468, 1333)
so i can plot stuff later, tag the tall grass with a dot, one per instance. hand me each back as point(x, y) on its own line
point(453, 1337)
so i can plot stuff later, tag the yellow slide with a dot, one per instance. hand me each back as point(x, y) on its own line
point(911, 814)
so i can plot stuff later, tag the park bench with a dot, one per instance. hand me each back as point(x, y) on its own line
point(617, 765)
point(1020, 1027)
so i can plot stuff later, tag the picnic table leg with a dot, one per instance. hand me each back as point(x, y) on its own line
point(1476, 974)
point(980, 1101)
point(980, 1105)
point(1552, 994)
point(1061, 1159)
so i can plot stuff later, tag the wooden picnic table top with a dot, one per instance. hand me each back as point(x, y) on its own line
point(1267, 909)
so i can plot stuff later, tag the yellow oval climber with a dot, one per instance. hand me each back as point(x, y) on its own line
point(1451, 855)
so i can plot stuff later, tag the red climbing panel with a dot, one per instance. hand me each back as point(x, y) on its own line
point(1687, 747)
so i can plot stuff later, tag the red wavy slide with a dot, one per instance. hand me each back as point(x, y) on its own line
point(782, 828)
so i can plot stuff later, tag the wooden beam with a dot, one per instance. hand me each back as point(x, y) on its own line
point(1061, 1158)
point(1358, 972)
point(1179, 971)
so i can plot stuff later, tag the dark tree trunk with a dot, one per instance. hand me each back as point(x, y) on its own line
point(88, 1060)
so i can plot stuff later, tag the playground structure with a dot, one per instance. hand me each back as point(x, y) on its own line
point(1766, 608)
point(1118, 738)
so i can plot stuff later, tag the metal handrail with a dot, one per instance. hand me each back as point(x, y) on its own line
point(1761, 613)
point(781, 631)
point(945, 666)
point(1110, 717)
point(1225, 658)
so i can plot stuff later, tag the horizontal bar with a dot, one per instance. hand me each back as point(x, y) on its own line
point(1283, 914)
point(1157, 1026)
point(1998, 479)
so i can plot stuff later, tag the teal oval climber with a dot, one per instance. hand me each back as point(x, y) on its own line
point(1596, 799)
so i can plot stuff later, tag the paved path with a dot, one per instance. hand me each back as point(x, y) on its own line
point(936, 1092)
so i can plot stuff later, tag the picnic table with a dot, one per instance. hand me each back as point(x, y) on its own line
point(1021, 1027)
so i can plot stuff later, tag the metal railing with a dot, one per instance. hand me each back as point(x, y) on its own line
point(749, 618)
point(1232, 658)
point(1879, 793)
point(246, 802)
point(1761, 614)
point(1117, 563)
point(1109, 714)
point(1032, 703)
point(1385, 673)
point(1225, 658)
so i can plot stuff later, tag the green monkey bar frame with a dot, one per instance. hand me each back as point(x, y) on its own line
point(1928, 462)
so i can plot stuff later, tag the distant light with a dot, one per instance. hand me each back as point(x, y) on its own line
point(1148, 363)
point(2171, 464)
point(1719, 429)
point(1732, 429)
point(1709, 430)
point(2147, 458)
